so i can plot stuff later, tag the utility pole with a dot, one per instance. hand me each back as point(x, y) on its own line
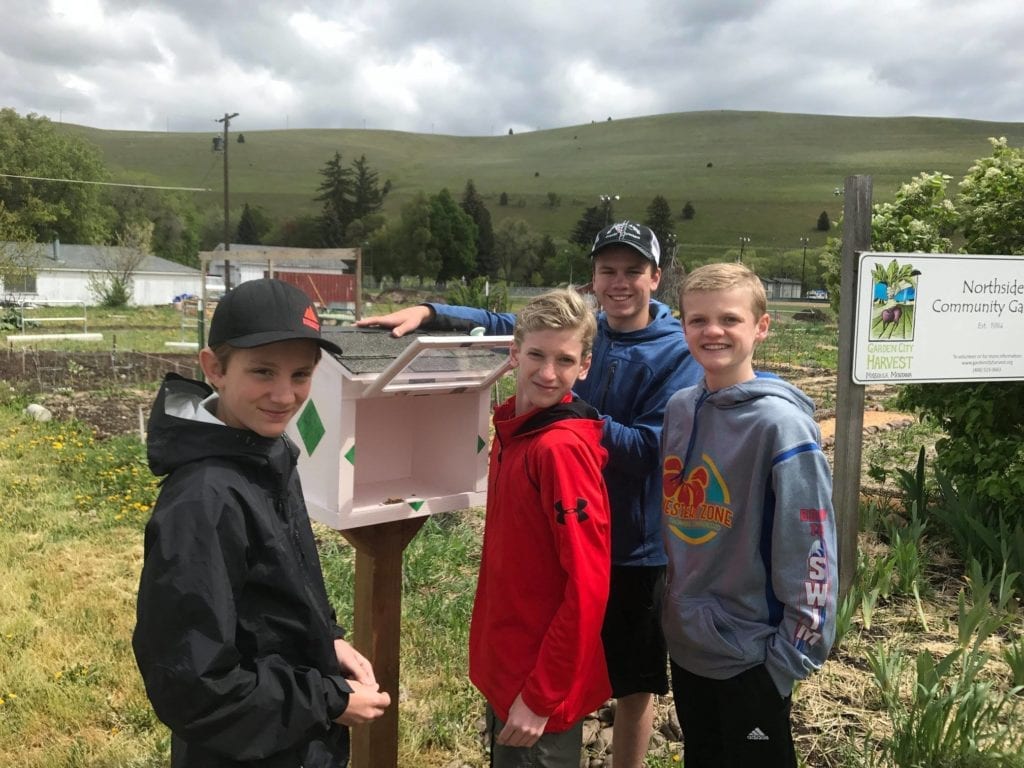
point(803, 267)
point(607, 200)
point(227, 226)
point(743, 244)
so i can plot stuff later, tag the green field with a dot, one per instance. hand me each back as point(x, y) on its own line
point(763, 175)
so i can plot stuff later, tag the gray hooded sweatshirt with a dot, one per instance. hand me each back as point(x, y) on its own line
point(749, 528)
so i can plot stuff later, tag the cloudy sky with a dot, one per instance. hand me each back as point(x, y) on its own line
point(480, 67)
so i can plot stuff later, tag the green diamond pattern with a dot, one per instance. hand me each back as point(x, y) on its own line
point(417, 504)
point(311, 428)
point(350, 455)
point(480, 443)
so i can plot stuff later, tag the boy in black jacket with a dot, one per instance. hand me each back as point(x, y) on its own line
point(236, 640)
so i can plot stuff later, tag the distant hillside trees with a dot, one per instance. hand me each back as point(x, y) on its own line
point(75, 213)
point(659, 219)
point(474, 206)
point(824, 223)
point(688, 211)
point(347, 194)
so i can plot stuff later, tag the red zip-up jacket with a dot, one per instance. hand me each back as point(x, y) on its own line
point(544, 571)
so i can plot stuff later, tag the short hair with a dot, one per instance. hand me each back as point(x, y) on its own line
point(557, 310)
point(724, 277)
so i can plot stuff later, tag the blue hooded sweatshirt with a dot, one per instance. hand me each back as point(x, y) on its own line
point(632, 376)
point(750, 533)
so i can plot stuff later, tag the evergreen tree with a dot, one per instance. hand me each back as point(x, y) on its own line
point(367, 195)
point(336, 194)
point(503, 199)
point(248, 233)
point(659, 219)
point(589, 226)
point(824, 224)
point(452, 238)
point(473, 204)
point(688, 211)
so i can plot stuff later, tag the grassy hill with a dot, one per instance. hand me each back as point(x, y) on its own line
point(762, 175)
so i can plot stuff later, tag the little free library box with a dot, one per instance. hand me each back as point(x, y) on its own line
point(397, 428)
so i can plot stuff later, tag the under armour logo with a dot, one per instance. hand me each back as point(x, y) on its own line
point(581, 516)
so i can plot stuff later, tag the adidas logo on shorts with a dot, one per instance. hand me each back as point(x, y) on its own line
point(757, 735)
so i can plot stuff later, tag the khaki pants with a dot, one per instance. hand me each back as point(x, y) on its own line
point(552, 750)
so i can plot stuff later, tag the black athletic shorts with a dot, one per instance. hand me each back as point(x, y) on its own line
point(634, 646)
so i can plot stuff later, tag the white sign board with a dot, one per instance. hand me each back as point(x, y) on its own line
point(925, 317)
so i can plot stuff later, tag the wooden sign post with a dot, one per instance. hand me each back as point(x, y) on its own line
point(377, 631)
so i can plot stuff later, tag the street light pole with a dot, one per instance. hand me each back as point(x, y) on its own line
point(607, 200)
point(227, 226)
point(743, 245)
point(803, 267)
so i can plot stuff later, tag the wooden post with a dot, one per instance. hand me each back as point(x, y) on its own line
point(850, 399)
point(377, 631)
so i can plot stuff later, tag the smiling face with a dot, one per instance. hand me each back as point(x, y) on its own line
point(623, 282)
point(262, 388)
point(721, 332)
point(548, 362)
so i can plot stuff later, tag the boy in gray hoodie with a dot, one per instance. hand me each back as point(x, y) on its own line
point(750, 533)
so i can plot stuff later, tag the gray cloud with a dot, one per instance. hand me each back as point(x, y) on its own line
point(471, 68)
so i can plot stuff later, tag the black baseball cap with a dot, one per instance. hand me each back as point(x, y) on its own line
point(637, 236)
point(265, 311)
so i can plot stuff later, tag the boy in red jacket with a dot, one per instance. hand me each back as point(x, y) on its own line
point(535, 648)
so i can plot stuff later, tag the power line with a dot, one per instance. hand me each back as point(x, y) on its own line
point(106, 183)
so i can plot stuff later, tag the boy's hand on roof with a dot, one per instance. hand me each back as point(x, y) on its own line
point(400, 322)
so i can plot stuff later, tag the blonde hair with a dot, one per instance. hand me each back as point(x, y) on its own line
point(557, 310)
point(724, 277)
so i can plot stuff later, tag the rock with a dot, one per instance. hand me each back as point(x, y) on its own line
point(38, 412)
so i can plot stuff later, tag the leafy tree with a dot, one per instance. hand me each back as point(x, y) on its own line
point(992, 202)
point(32, 146)
point(473, 204)
point(452, 238)
point(589, 226)
point(515, 250)
point(337, 195)
point(175, 218)
point(413, 239)
point(112, 284)
point(298, 232)
point(659, 219)
point(982, 455)
point(824, 223)
point(688, 212)
point(18, 258)
point(554, 200)
point(551, 269)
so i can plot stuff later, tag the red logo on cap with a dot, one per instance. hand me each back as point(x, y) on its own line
point(310, 320)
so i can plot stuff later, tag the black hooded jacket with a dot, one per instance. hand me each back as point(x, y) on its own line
point(235, 634)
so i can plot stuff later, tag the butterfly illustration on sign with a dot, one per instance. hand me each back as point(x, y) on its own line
point(893, 298)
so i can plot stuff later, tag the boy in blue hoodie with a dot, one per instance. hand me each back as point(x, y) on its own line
point(748, 525)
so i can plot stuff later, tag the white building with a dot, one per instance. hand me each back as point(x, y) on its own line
point(63, 272)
